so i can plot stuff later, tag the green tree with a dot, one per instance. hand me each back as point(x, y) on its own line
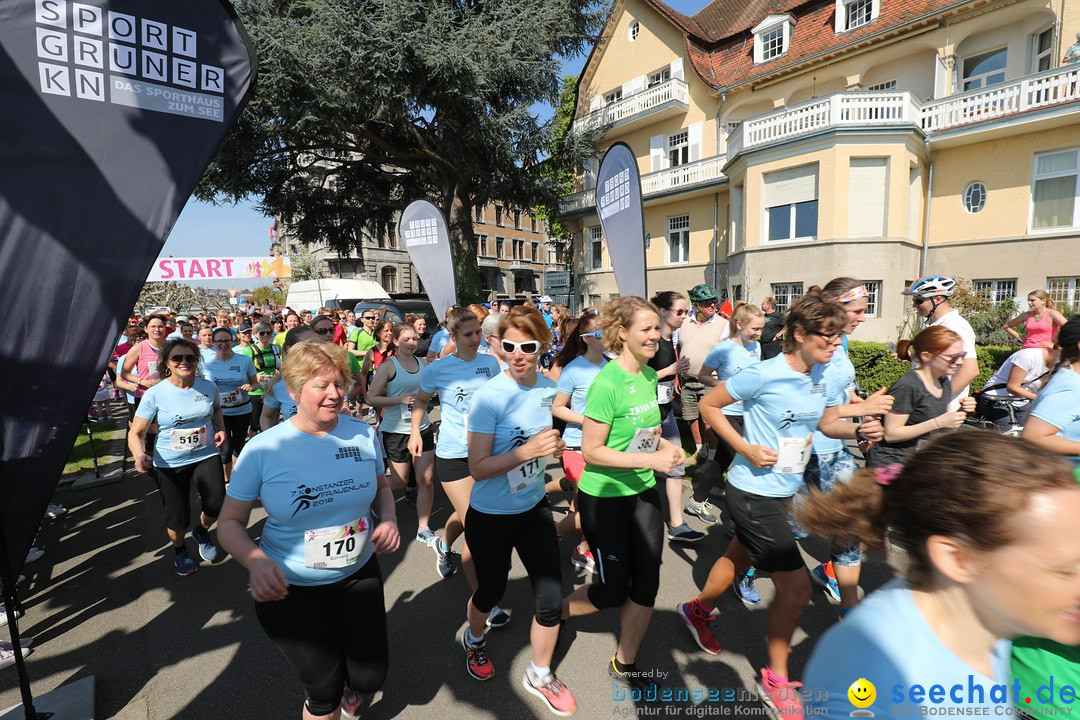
point(365, 105)
point(261, 294)
point(304, 266)
point(567, 153)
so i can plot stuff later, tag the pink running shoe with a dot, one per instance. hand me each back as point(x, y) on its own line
point(781, 695)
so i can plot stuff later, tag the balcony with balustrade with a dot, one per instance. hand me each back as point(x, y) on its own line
point(659, 102)
point(1049, 94)
point(691, 176)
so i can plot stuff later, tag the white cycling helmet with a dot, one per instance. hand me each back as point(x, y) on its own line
point(932, 286)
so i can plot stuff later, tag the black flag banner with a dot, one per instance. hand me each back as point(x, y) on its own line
point(112, 111)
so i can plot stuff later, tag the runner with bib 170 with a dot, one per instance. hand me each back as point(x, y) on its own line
point(784, 400)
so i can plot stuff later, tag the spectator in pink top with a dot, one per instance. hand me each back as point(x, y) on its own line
point(1041, 321)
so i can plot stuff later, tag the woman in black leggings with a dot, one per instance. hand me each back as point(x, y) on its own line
point(314, 577)
point(617, 497)
point(235, 376)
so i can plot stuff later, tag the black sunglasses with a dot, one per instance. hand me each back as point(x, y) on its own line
point(183, 358)
point(323, 331)
point(264, 332)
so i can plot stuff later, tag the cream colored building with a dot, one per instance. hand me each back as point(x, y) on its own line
point(785, 143)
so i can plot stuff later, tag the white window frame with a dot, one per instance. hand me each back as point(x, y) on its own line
point(984, 77)
point(785, 294)
point(1000, 289)
point(1066, 293)
point(500, 246)
point(659, 77)
point(1036, 177)
point(613, 97)
point(970, 191)
point(596, 247)
point(500, 215)
point(634, 31)
point(873, 300)
point(1047, 54)
point(882, 86)
point(479, 212)
point(678, 239)
point(843, 14)
point(389, 271)
point(774, 27)
point(678, 148)
point(482, 244)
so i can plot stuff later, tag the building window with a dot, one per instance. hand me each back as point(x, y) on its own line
point(785, 294)
point(481, 245)
point(985, 70)
point(851, 14)
point(659, 77)
point(519, 250)
point(532, 224)
point(517, 219)
point(391, 236)
point(1054, 199)
point(613, 97)
point(791, 205)
point(1064, 292)
point(678, 148)
point(975, 197)
point(873, 290)
point(772, 37)
point(389, 279)
point(499, 242)
point(596, 248)
point(478, 213)
point(498, 215)
point(536, 252)
point(635, 30)
point(679, 239)
point(1042, 48)
point(882, 87)
point(772, 44)
point(998, 291)
point(736, 293)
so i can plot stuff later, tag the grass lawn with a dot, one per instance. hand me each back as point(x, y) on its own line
point(81, 457)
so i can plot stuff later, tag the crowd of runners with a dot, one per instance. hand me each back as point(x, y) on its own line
point(323, 417)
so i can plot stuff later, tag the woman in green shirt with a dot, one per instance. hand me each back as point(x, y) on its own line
point(617, 498)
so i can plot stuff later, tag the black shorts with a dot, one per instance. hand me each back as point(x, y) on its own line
point(174, 486)
point(451, 469)
point(761, 524)
point(396, 445)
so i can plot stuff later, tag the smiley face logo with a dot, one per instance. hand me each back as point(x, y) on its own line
point(862, 693)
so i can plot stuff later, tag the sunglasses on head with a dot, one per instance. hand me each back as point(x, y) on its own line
point(529, 347)
point(598, 334)
point(186, 357)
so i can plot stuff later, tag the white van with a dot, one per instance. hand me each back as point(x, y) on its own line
point(333, 292)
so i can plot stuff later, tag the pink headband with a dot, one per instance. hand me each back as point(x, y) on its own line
point(885, 475)
point(854, 294)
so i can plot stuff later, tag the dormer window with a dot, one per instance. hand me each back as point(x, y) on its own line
point(772, 37)
point(852, 14)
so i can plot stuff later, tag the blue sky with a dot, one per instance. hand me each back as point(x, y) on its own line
point(204, 230)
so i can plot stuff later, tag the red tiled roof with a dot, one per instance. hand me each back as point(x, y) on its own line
point(721, 48)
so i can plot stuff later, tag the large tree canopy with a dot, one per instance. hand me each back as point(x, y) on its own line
point(362, 106)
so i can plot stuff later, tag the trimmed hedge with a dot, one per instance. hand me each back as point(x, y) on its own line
point(885, 371)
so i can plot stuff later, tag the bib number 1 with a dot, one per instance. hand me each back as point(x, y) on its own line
point(794, 454)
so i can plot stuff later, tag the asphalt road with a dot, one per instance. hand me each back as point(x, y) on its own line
point(105, 601)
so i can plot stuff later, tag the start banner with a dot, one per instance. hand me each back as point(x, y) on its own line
point(220, 268)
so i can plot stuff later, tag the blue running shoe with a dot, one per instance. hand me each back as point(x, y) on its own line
point(744, 588)
point(184, 564)
point(829, 584)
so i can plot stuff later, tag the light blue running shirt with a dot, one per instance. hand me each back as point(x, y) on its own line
point(1059, 404)
point(574, 381)
point(229, 375)
point(398, 418)
point(439, 341)
point(279, 399)
point(728, 358)
point(512, 413)
point(185, 421)
point(455, 381)
point(840, 375)
point(308, 483)
point(781, 410)
point(887, 641)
